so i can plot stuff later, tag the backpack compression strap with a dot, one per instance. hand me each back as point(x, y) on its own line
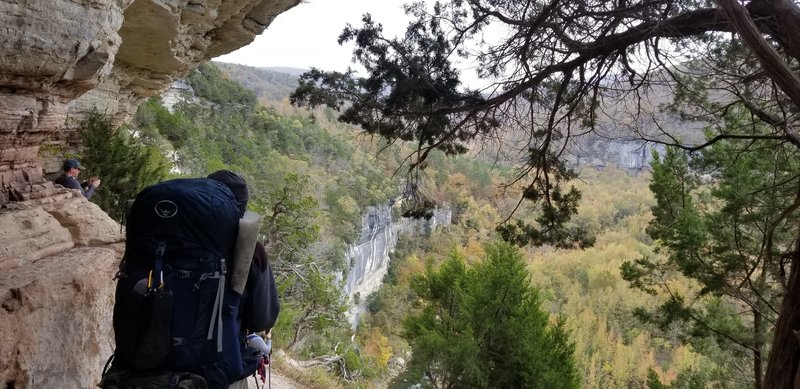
point(217, 311)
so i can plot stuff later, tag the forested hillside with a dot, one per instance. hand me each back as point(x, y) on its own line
point(614, 348)
point(269, 85)
point(572, 320)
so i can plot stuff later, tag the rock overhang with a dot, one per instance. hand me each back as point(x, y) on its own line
point(63, 59)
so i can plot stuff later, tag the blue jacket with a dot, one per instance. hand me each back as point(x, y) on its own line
point(70, 182)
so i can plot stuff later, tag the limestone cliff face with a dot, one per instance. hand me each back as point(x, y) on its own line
point(59, 61)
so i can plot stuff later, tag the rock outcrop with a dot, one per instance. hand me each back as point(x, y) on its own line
point(61, 60)
point(58, 256)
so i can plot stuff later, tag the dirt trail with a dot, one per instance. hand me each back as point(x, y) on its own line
point(279, 381)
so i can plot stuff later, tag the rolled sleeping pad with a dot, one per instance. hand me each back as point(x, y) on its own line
point(249, 225)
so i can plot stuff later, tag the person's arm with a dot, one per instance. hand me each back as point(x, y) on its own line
point(89, 191)
point(91, 185)
point(261, 306)
point(274, 306)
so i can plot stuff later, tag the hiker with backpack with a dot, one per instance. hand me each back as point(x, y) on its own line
point(260, 306)
point(179, 311)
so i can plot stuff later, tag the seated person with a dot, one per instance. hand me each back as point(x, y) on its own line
point(70, 179)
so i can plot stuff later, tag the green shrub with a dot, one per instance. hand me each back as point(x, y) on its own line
point(124, 164)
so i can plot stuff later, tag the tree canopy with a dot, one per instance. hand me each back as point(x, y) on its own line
point(560, 70)
point(563, 70)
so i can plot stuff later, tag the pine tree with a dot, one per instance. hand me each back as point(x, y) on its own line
point(483, 327)
point(730, 236)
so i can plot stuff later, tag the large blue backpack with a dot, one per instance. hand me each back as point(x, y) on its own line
point(175, 311)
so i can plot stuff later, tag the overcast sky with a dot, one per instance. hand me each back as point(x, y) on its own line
point(305, 35)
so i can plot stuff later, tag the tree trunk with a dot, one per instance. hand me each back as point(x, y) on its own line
point(758, 345)
point(785, 353)
point(781, 19)
point(298, 327)
point(778, 70)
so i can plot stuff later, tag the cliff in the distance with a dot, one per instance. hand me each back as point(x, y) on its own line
point(59, 61)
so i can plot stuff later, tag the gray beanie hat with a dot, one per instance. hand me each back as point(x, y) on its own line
point(237, 185)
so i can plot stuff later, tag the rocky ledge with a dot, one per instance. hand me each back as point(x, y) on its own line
point(58, 257)
point(61, 60)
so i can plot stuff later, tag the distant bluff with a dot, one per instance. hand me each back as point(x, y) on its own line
point(61, 59)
